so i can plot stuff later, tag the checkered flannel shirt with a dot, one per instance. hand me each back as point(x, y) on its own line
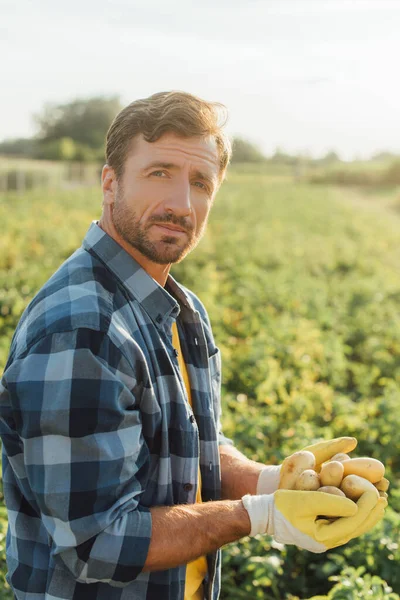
point(97, 428)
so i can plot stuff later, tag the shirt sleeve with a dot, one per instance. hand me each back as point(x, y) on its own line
point(76, 404)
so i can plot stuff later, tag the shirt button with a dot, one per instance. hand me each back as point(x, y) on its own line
point(187, 487)
point(192, 418)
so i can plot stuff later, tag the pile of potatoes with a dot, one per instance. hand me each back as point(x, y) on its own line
point(342, 475)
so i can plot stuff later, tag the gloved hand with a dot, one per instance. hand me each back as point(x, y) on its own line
point(269, 478)
point(293, 517)
point(325, 450)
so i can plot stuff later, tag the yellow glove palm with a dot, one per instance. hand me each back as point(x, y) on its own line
point(302, 509)
point(293, 517)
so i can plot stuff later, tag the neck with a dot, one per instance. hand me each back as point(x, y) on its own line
point(158, 272)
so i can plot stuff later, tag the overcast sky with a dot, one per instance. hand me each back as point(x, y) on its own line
point(305, 75)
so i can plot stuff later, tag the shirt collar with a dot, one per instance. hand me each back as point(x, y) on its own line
point(158, 303)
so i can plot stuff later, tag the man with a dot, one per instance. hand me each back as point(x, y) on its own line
point(114, 463)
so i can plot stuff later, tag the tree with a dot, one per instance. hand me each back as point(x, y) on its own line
point(282, 158)
point(62, 149)
point(384, 156)
point(330, 157)
point(85, 121)
point(22, 147)
point(244, 151)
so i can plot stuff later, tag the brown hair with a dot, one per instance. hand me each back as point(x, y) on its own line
point(166, 112)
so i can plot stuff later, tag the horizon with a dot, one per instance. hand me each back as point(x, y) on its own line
point(305, 76)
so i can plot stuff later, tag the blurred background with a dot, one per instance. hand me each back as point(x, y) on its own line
point(299, 268)
point(304, 80)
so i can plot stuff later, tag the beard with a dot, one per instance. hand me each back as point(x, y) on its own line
point(169, 249)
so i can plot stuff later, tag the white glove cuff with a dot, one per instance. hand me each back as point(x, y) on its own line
point(260, 510)
point(268, 480)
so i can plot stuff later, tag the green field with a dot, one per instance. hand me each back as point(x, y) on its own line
point(302, 286)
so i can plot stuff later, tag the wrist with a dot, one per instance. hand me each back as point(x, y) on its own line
point(268, 479)
point(260, 512)
point(243, 522)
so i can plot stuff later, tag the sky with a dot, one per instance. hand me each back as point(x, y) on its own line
point(306, 76)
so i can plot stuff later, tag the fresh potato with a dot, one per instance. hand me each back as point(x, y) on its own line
point(332, 473)
point(293, 466)
point(354, 486)
point(382, 485)
point(330, 489)
point(368, 468)
point(308, 480)
point(341, 456)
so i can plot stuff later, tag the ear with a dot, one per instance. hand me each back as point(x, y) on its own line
point(109, 184)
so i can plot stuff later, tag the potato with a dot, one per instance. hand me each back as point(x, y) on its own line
point(308, 480)
point(331, 473)
point(382, 485)
point(368, 468)
point(330, 489)
point(341, 456)
point(293, 466)
point(354, 486)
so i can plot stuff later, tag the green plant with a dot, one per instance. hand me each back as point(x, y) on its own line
point(303, 293)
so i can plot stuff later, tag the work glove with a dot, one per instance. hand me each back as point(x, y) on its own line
point(269, 478)
point(294, 517)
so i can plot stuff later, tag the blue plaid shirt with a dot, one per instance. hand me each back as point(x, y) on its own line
point(97, 428)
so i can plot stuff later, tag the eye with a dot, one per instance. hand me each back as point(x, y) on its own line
point(204, 187)
point(157, 173)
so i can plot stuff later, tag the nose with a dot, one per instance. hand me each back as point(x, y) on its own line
point(178, 201)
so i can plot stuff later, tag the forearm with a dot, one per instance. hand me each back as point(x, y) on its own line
point(185, 532)
point(239, 475)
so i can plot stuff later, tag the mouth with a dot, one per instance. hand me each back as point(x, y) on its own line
point(171, 229)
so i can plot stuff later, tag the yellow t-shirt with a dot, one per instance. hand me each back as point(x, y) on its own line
point(196, 570)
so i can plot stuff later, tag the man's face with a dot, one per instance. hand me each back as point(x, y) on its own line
point(165, 194)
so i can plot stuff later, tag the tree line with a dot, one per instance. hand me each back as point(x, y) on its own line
point(76, 131)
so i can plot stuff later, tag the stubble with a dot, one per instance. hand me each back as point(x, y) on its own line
point(167, 249)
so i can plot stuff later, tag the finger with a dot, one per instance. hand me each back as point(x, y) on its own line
point(324, 450)
point(383, 502)
point(382, 485)
point(311, 504)
point(376, 514)
point(334, 507)
point(370, 522)
point(343, 528)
